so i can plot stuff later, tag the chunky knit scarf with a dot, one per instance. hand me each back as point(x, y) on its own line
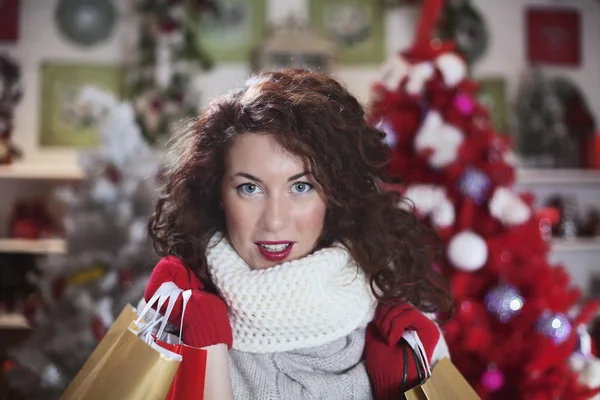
point(294, 305)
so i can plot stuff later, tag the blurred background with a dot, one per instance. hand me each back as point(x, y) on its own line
point(91, 91)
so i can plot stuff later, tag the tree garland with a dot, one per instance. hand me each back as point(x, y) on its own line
point(169, 53)
point(10, 95)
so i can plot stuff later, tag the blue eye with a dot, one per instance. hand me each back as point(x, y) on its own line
point(302, 187)
point(248, 189)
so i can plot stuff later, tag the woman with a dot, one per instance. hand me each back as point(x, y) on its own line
point(300, 263)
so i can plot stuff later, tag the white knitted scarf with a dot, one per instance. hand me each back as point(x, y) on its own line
point(297, 304)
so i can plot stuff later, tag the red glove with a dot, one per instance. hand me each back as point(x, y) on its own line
point(206, 319)
point(383, 354)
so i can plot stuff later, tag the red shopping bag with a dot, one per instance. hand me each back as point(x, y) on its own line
point(191, 374)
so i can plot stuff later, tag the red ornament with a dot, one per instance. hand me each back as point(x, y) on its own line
point(59, 284)
point(98, 328)
point(492, 380)
point(113, 174)
point(125, 278)
point(169, 25)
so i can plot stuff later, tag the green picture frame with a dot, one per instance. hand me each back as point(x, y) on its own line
point(355, 25)
point(62, 122)
point(235, 31)
point(492, 95)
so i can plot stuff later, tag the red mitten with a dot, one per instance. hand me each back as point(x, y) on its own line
point(206, 319)
point(383, 354)
point(392, 321)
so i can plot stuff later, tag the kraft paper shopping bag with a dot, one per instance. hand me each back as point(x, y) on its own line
point(445, 383)
point(128, 364)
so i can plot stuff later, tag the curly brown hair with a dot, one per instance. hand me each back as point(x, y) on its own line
point(310, 115)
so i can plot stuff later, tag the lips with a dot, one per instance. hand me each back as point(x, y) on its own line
point(272, 255)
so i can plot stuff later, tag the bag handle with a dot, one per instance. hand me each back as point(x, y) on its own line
point(146, 331)
point(405, 372)
point(173, 296)
point(186, 296)
point(413, 340)
point(165, 288)
point(418, 364)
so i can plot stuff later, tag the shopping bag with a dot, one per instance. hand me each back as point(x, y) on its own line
point(129, 365)
point(445, 382)
point(189, 381)
point(127, 316)
point(203, 373)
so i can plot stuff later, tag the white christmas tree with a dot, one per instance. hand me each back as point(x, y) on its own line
point(109, 257)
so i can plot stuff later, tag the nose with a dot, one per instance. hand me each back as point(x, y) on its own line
point(276, 213)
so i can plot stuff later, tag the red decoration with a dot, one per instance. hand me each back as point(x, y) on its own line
point(554, 36)
point(530, 365)
point(9, 20)
point(30, 220)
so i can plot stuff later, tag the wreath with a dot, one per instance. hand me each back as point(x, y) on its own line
point(10, 95)
point(169, 54)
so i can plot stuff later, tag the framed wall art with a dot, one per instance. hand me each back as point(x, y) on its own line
point(294, 44)
point(553, 36)
point(234, 30)
point(356, 26)
point(492, 95)
point(9, 21)
point(62, 122)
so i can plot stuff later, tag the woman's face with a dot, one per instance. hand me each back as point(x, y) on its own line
point(274, 208)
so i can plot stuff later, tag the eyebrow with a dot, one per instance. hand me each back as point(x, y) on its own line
point(253, 178)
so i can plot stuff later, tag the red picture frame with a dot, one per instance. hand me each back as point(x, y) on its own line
point(9, 20)
point(554, 36)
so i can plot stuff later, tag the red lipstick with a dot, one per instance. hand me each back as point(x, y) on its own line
point(275, 256)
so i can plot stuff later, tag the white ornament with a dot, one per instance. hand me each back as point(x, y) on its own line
point(418, 76)
point(508, 207)
point(393, 72)
point(443, 139)
point(452, 67)
point(104, 191)
point(137, 230)
point(588, 368)
point(431, 200)
point(164, 62)
point(51, 376)
point(390, 135)
point(510, 158)
point(104, 305)
point(122, 142)
point(467, 251)
point(443, 215)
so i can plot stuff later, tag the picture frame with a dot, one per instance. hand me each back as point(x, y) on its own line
point(356, 26)
point(62, 123)
point(492, 95)
point(554, 36)
point(293, 43)
point(9, 21)
point(234, 31)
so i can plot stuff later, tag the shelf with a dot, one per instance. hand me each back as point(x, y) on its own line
point(41, 171)
point(576, 244)
point(558, 176)
point(40, 246)
point(13, 321)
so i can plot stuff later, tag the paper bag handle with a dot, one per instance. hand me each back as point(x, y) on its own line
point(186, 296)
point(413, 340)
point(405, 371)
point(173, 296)
point(165, 288)
point(146, 331)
